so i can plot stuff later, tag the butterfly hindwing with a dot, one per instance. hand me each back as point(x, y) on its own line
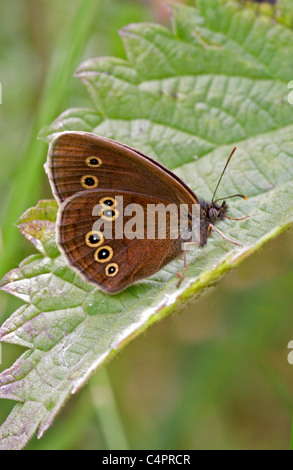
point(105, 235)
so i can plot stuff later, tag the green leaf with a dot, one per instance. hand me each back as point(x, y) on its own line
point(184, 96)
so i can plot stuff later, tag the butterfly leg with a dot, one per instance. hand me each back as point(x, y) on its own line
point(181, 276)
point(222, 235)
point(233, 218)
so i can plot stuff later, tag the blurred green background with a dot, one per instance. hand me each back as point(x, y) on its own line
point(214, 376)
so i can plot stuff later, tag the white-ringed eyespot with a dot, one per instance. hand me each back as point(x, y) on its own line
point(93, 162)
point(112, 269)
point(103, 254)
point(109, 214)
point(94, 238)
point(108, 201)
point(89, 181)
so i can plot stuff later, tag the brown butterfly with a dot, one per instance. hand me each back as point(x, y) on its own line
point(90, 176)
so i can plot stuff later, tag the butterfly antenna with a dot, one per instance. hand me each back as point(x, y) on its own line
point(229, 197)
point(223, 172)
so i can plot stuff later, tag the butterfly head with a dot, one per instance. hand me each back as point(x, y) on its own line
point(212, 212)
point(217, 212)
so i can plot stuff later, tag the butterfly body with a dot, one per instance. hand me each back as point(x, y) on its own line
point(112, 202)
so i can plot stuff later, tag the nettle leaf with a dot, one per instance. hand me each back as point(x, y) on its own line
point(185, 96)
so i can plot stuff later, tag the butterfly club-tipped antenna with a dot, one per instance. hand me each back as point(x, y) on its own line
point(220, 179)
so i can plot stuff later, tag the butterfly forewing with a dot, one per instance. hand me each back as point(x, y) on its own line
point(80, 161)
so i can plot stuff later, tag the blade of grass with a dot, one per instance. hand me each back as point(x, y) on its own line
point(107, 411)
point(26, 183)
